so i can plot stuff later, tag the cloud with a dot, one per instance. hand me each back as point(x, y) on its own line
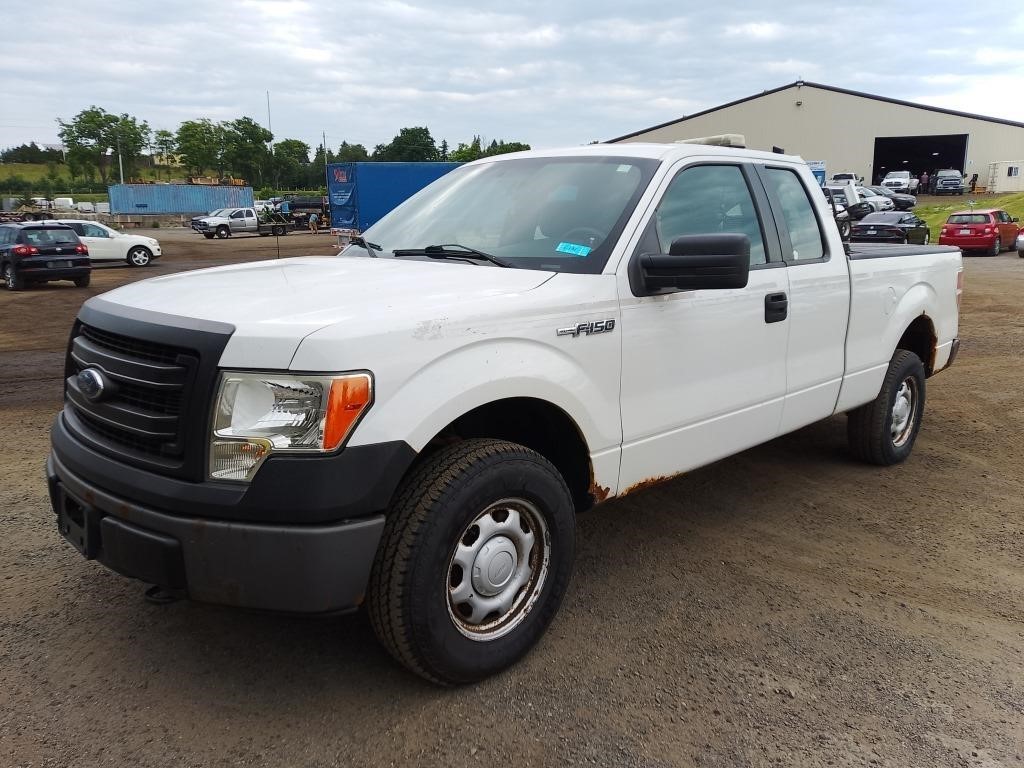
point(546, 73)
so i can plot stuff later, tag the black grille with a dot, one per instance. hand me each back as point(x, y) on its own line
point(143, 350)
point(147, 387)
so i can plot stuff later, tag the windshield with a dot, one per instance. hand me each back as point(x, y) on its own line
point(953, 174)
point(553, 213)
point(218, 212)
point(898, 175)
point(883, 191)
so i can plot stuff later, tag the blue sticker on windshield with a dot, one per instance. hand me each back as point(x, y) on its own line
point(572, 249)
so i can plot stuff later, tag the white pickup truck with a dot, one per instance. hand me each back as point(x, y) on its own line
point(415, 423)
point(225, 222)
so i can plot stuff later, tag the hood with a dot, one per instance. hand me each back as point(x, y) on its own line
point(273, 305)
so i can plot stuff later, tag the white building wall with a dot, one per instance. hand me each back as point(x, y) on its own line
point(841, 128)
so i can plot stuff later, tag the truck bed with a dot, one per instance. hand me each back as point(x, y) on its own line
point(887, 250)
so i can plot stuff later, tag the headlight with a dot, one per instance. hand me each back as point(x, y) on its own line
point(256, 414)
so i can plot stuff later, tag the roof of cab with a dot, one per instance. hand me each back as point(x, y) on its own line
point(672, 151)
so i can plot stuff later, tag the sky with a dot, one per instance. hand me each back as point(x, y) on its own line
point(556, 73)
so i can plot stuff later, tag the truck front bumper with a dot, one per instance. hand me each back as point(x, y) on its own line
point(301, 540)
point(297, 568)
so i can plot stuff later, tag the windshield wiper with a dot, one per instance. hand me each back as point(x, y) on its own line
point(366, 245)
point(453, 251)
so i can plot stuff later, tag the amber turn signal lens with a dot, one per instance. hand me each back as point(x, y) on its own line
point(348, 399)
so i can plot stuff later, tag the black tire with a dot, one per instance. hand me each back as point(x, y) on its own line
point(927, 238)
point(279, 230)
point(223, 232)
point(869, 428)
point(1021, 254)
point(997, 247)
point(844, 230)
point(15, 282)
point(82, 282)
point(433, 514)
point(139, 256)
point(208, 235)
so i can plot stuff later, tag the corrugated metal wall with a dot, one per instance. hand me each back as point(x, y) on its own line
point(361, 193)
point(141, 199)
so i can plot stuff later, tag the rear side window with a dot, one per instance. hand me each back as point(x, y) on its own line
point(804, 232)
point(6, 235)
point(710, 199)
point(969, 218)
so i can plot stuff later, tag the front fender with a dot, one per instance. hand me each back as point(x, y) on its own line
point(494, 369)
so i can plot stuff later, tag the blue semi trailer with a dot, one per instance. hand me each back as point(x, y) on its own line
point(361, 193)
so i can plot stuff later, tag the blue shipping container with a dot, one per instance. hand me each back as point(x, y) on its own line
point(153, 199)
point(361, 193)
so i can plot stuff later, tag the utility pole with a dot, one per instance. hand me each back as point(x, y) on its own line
point(268, 117)
point(120, 162)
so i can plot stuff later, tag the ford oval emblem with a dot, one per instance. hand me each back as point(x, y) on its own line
point(91, 383)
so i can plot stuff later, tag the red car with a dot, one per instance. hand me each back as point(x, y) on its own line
point(989, 230)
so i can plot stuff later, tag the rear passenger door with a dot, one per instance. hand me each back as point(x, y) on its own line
point(819, 297)
point(703, 371)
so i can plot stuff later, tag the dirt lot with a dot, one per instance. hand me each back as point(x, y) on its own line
point(784, 607)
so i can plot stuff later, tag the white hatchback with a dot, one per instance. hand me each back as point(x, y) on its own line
point(106, 244)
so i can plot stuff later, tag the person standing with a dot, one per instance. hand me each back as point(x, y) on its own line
point(923, 188)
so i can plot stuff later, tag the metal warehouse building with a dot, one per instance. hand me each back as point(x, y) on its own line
point(852, 131)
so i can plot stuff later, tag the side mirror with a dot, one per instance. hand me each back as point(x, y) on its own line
point(694, 262)
point(858, 211)
point(1015, 219)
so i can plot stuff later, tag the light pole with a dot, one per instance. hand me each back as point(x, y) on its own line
point(120, 163)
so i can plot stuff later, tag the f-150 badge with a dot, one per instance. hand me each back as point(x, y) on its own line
point(586, 329)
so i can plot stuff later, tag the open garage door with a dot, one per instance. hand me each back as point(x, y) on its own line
point(918, 153)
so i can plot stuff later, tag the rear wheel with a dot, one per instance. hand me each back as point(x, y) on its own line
point(82, 282)
point(927, 238)
point(997, 247)
point(844, 229)
point(14, 281)
point(883, 431)
point(279, 230)
point(140, 256)
point(474, 560)
point(223, 232)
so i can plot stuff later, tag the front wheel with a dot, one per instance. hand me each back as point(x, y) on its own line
point(927, 238)
point(475, 557)
point(139, 256)
point(223, 232)
point(883, 431)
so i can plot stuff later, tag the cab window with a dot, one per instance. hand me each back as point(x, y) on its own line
point(710, 199)
point(804, 232)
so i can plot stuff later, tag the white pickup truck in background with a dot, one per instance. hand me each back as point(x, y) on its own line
point(416, 422)
point(225, 222)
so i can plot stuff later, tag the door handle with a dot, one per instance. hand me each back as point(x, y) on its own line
point(776, 307)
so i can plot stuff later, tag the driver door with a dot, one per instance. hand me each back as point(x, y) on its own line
point(703, 371)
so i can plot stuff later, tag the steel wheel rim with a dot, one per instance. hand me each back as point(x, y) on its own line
point(498, 569)
point(139, 257)
point(904, 412)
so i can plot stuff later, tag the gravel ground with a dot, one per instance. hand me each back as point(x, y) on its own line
point(786, 606)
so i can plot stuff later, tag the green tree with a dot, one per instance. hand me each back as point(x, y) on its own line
point(409, 146)
point(291, 162)
point(87, 136)
point(245, 149)
point(166, 145)
point(201, 145)
point(467, 153)
point(351, 153)
point(94, 132)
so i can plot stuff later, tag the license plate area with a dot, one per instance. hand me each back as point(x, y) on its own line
point(965, 231)
point(79, 524)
